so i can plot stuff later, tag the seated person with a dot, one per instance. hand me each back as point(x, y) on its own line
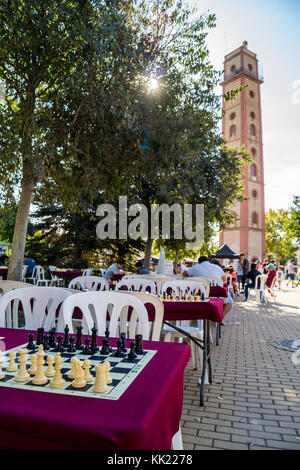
point(206, 269)
point(250, 280)
point(141, 269)
point(30, 263)
point(4, 261)
point(114, 269)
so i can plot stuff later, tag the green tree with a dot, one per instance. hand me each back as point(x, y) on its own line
point(280, 240)
point(295, 218)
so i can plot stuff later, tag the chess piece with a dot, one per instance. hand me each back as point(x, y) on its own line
point(1, 358)
point(180, 296)
point(94, 345)
point(202, 296)
point(79, 381)
point(40, 336)
point(50, 372)
point(87, 375)
point(197, 298)
point(132, 353)
point(107, 337)
point(123, 339)
point(79, 344)
point(119, 352)
point(71, 374)
point(22, 375)
point(59, 346)
point(100, 385)
point(57, 381)
point(71, 348)
point(87, 349)
point(33, 367)
point(192, 298)
point(66, 340)
point(46, 343)
point(52, 342)
point(12, 366)
point(30, 346)
point(108, 377)
point(139, 344)
point(173, 297)
point(105, 347)
point(40, 378)
point(186, 297)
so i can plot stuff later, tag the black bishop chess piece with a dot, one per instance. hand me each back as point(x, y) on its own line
point(107, 337)
point(71, 348)
point(79, 344)
point(66, 342)
point(105, 347)
point(52, 342)
point(119, 352)
point(139, 344)
point(132, 353)
point(123, 339)
point(46, 343)
point(94, 345)
point(87, 349)
point(30, 346)
point(59, 346)
point(40, 336)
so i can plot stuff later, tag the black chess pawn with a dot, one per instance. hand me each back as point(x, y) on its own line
point(123, 339)
point(119, 352)
point(59, 346)
point(105, 347)
point(94, 345)
point(71, 348)
point(139, 344)
point(66, 342)
point(132, 353)
point(46, 343)
point(40, 336)
point(52, 342)
point(79, 344)
point(202, 296)
point(87, 349)
point(30, 346)
point(107, 336)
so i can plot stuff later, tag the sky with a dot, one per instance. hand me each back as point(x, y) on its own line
point(271, 28)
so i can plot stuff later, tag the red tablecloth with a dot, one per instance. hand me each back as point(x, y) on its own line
point(67, 274)
point(145, 417)
point(218, 291)
point(213, 310)
point(3, 273)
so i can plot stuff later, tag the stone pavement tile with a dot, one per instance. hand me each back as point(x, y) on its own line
point(213, 435)
point(251, 441)
point(280, 429)
point(283, 445)
point(229, 445)
point(196, 440)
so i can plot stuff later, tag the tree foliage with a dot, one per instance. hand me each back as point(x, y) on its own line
point(280, 240)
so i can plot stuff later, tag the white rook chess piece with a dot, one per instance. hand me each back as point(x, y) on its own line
point(57, 381)
point(33, 367)
point(79, 381)
point(100, 385)
point(22, 375)
point(40, 378)
point(12, 366)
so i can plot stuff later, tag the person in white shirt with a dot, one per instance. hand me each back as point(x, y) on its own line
point(206, 269)
point(291, 272)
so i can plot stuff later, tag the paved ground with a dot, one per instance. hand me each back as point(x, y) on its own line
point(254, 401)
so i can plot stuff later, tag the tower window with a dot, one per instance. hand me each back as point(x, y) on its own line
point(254, 218)
point(254, 194)
point(250, 67)
point(251, 93)
point(232, 132)
point(253, 171)
point(253, 151)
point(252, 130)
point(232, 116)
point(233, 68)
point(252, 115)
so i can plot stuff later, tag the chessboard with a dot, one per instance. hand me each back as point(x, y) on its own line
point(123, 372)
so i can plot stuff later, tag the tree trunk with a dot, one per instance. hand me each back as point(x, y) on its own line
point(148, 251)
point(176, 261)
point(20, 230)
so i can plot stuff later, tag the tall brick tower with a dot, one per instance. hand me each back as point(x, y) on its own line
point(242, 125)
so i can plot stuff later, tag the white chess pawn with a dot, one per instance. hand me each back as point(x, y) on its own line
point(50, 372)
point(87, 375)
point(108, 377)
point(22, 375)
point(33, 367)
point(12, 366)
point(79, 381)
point(57, 381)
point(100, 385)
point(71, 374)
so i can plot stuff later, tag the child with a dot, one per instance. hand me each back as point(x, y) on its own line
point(279, 276)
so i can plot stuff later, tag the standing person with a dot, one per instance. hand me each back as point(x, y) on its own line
point(30, 263)
point(279, 276)
point(243, 268)
point(250, 280)
point(114, 268)
point(291, 272)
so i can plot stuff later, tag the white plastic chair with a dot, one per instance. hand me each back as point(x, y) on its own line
point(87, 272)
point(34, 301)
point(189, 287)
point(89, 282)
point(38, 276)
point(159, 311)
point(7, 286)
point(95, 306)
point(24, 271)
point(137, 285)
point(55, 280)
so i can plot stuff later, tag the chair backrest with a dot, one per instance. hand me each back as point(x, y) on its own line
point(97, 306)
point(89, 282)
point(102, 271)
point(38, 272)
point(205, 282)
point(7, 286)
point(39, 306)
point(260, 282)
point(137, 285)
point(24, 270)
point(53, 276)
point(185, 287)
point(159, 313)
point(87, 272)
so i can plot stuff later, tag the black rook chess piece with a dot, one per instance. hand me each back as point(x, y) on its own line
point(79, 344)
point(139, 344)
point(30, 346)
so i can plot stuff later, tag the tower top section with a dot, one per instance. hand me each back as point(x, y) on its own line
point(242, 61)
